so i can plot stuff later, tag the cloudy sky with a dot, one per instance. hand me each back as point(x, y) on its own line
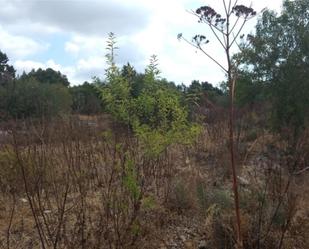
point(70, 36)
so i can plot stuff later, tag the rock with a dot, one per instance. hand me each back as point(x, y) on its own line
point(189, 245)
point(243, 181)
point(189, 232)
point(24, 200)
point(183, 238)
point(172, 244)
point(162, 246)
point(202, 245)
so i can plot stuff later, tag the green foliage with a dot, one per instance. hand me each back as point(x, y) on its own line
point(202, 198)
point(277, 61)
point(216, 197)
point(8, 169)
point(149, 203)
point(180, 197)
point(29, 98)
point(40, 93)
point(152, 71)
point(48, 76)
point(116, 99)
point(7, 72)
point(159, 109)
point(147, 104)
point(7, 75)
point(159, 119)
point(249, 92)
point(85, 99)
point(136, 228)
point(222, 198)
point(115, 92)
point(200, 96)
point(130, 180)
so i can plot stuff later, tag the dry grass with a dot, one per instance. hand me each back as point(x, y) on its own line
point(92, 186)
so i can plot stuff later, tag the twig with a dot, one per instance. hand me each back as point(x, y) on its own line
point(10, 223)
point(301, 171)
point(204, 52)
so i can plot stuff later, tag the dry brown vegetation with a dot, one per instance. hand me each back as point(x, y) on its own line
point(88, 183)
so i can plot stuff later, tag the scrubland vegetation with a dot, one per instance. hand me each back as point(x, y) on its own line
point(136, 161)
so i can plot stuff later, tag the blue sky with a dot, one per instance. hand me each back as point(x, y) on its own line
point(70, 36)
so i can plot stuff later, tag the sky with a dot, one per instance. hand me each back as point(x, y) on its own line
point(70, 36)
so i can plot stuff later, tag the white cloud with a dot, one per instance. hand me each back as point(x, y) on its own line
point(34, 29)
point(179, 61)
point(80, 45)
point(142, 27)
point(27, 65)
point(91, 63)
point(17, 46)
point(72, 48)
point(82, 71)
point(79, 16)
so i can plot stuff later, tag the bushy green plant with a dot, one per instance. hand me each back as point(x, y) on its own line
point(130, 180)
point(31, 98)
point(149, 203)
point(8, 169)
point(115, 92)
point(180, 197)
point(275, 66)
point(221, 198)
point(155, 114)
point(85, 99)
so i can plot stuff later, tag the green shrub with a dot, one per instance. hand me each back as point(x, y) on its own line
point(9, 171)
point(221, 198)
point(156, 114)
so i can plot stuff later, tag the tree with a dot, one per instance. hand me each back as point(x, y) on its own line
point(158, 106)
point(202, 93)
point(7, 77)
point(226, 30)
point(115, 91)
point(7, 72)
point(277, 60)
point(249, 92)
point(86, 99)
point(41, 93)
point(31, 98)
point(153, 110)
point(47, 76)
point(201, 97)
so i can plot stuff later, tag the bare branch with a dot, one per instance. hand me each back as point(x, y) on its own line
point(213, 29)
point(301, 171)
point(231, 30)
point(204, 52)
point(208, 23)
point(214, 32)
point(229, 8)
point(224, 40)
point(238, 46)
point(225, 8)
point(234, 4)
point(240, 29)
point(201, 49)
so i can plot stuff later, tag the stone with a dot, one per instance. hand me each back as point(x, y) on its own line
point(189, 245)
point(202, 245)
point(183, 238)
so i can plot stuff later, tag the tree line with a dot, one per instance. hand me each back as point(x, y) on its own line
point(48, 93)
point(272, 78)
